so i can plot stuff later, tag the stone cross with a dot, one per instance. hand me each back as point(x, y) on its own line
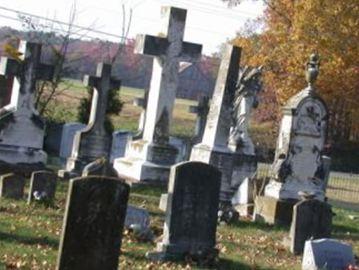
point(25, 72)
point(93, 223)
point(168, 52)
point(214, 146)
point(202, 111)
point(94, 141)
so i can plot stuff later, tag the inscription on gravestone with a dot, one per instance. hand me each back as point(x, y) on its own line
point(93, 223)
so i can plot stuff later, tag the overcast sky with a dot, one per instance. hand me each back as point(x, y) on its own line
point(209, 22)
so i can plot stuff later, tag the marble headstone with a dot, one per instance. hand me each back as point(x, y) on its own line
point(42, 186)
point(12, 186)
point(68, 133)
point(93, 223)
point(20, 116)
point(94, 141)
point(119, 143)
point(326, 254)
point(191, 214)
point(151, 157)
point(298, 164)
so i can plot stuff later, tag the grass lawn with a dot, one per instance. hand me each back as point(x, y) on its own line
point(29, 237)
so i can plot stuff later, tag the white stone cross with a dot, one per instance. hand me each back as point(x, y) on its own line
point(168, 51)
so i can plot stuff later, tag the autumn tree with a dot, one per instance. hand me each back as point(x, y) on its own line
point(293, 29)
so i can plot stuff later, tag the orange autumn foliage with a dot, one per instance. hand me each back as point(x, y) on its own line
point(293, 29)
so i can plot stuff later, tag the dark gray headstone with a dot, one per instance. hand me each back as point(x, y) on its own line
point(12, 186)
point(93, 224)
point(42, 186)
point(329, 254)
point(311, 219)
point(191, 214)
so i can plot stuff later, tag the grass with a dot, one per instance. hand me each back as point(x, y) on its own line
point(29, 237)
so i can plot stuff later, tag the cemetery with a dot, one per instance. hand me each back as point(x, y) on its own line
point(96, 173)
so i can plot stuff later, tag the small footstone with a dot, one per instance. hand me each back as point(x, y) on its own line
point(12, 186)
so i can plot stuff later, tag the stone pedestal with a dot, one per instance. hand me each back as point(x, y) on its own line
point(146, 161)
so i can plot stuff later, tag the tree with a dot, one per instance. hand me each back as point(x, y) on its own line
point(293, 29)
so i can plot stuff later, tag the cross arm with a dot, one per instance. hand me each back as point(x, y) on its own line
point(151, 45)
point(190, 51)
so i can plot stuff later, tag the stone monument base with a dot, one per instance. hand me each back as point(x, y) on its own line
point(273, 211)
point(146, 162)
point(21, 160)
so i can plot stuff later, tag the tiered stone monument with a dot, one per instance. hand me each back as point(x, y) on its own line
point(245, 165)
point(150, 158)
point(214, 147)
point(21, 127)
point(94, 141)
point(299, 164)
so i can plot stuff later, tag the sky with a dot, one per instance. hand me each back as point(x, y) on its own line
point(209, 22)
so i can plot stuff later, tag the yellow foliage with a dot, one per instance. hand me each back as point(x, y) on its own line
point(12, 52)
point(295, 29)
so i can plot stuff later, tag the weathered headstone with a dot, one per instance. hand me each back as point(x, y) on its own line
point(94, 141)
point(150, 158)
point(42, 186)
point(12, 186)
point(201, 110)
point(119, 143)
point(214, 148)
point(327, 254)
point(312, 219)
point(191, 214)
point(93, 224)
point(298, 164)
point(67, 138)
point(20, 117)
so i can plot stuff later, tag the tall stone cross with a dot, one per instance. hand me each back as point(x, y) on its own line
point(25, 72)
point(168, 51)
point(94, 141)
point(202, 111)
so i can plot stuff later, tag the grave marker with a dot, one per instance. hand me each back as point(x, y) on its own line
point(150, 158)
point(94, 141)
point(20, 116)
point(191, 214)
point(42, 186)
point(12, 186)
point(93, 224)
point(201, 110)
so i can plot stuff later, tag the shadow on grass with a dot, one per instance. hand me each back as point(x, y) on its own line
point(257, 225)
point(13, 238)
point(226, 264)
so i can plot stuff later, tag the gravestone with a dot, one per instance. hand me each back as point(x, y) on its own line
point(93, 223)
point(245, 165)
point(23, 153)
point(94, 141)
point(214, 148)
point(191, 214)
point(150, 157)
point(12, 186)
point(5, 91)
point(312, 219)
point(201, 110)
point(329, 254)
point(42, 186)
point(99, 167)
point(120, 139)
point(299, 163)
point(67, 138)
